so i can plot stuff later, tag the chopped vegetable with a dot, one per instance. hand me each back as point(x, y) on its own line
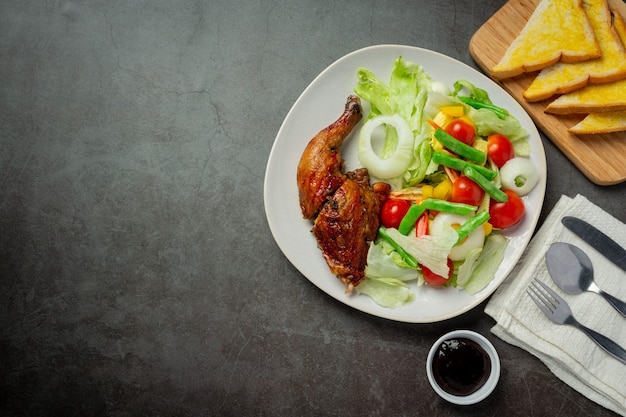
point(508, 213)
point(429, 250)
point(478, 98)
point(472, 224)
point(466, 191)
point(392, 162)
point(461, 130)
point(378, 265)
point(443, 190)
point(496, 193)
point(460, 164)
point(408, 258)
point(375, 92)
point(408, 222)
point(393, 211)
point(442, 153)
point(410, 193)
point(490, 119)
point(421, 226)
point(416, 172)
point(428, 191)
point(386, 292)
point(386, 281)
point(445, 221)
point(519, 175)
point(464, 271)
point(459, 147)
point(487, 264)
point(406, 95)
point(477, 104)
point(500, 149)
point(453, 111)
point(437, 280)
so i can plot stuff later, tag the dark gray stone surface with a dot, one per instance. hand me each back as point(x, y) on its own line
point(138, 275)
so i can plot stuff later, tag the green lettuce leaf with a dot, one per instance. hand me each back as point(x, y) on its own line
point(430, 251)
point(407, 93)
point(489, 118)
point(387, 292)
point(487, 263)
point(384, 262)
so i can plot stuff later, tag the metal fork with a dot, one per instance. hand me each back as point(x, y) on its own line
point(559, 312)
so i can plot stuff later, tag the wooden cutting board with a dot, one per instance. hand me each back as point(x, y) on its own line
point(601, 157)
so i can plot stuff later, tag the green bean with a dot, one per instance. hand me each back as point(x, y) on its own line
point(409, 219)
point(470, 225)
point(477, 104)
point(486, 185)
point(414, 212)
point(459, 147)
point(448, 206)
point(407, 257)
point(459, 164)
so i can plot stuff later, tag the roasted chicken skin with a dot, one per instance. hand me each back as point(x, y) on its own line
point(320, 167)
point(344, 208)
point(346, 225)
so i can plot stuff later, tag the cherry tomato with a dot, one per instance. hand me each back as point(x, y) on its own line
point(393, 211)
point(466, 191)
point(461, 130)
point(499, 149)
point(434, 279)
point(506, 214)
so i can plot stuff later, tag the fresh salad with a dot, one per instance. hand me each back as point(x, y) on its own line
point(458, 166)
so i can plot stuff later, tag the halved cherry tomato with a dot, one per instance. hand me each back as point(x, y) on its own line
point(393, 211)
point(499, 149)
point(461, 130)
point(466, 191)
point(434, 279)
point(507, 214)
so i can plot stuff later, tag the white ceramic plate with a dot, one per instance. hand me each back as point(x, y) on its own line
point(321, 104)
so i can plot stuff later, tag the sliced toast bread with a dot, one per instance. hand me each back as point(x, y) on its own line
point(606, 122)
point(558, 30)
point(562, 78)
point(596, 97)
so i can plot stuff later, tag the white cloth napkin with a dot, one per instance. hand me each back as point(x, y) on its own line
point(568, 352)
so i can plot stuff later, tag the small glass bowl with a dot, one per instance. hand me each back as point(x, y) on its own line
point(487, 388)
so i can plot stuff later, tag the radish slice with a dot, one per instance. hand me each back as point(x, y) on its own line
point(396, 163)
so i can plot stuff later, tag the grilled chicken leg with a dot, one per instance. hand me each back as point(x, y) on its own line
point(320, 168)
point(344, 207)
point(346, 225)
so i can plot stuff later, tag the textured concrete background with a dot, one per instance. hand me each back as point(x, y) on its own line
point(138, 275)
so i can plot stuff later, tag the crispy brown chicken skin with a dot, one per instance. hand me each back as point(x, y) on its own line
point(346, 225)
point(320, 168)
point(344, 207)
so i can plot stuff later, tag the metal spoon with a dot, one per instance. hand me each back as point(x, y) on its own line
point(572, 271)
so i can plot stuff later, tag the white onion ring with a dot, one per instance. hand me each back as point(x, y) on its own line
point(399, 161)
point(476, 239)
point(519, 169)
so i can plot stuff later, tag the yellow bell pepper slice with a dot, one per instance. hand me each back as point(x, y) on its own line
point(453, 111)
point(427, 191)
point(443, 190)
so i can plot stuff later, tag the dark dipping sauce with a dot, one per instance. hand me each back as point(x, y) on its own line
point(461, 366)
